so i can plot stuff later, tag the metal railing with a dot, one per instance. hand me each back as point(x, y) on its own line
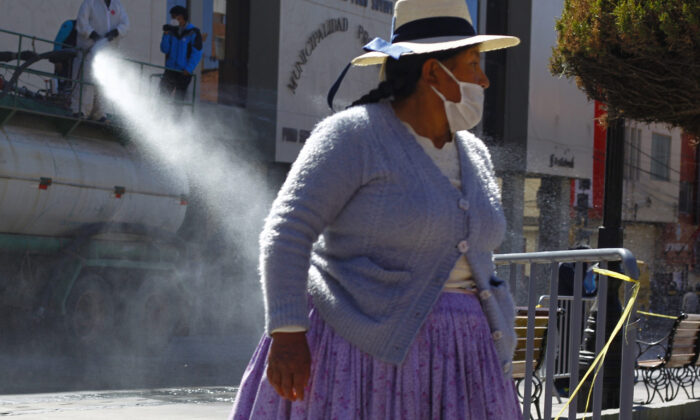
point(552, 260)
point(28, 43)
point(564, 303)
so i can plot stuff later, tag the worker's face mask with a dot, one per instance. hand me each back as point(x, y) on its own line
point(174, 22)
point(465, 114)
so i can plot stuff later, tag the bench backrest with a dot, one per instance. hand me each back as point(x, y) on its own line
point(696, 319)
point(683, 342)
point(540, 342)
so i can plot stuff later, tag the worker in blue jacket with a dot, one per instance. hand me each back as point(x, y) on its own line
point(182, 46)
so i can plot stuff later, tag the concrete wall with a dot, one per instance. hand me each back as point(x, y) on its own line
point(506, 110)
point(318, 39)
point(531, 211)
point(560, 117)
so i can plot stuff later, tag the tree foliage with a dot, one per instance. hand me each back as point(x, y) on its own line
point(640, 57)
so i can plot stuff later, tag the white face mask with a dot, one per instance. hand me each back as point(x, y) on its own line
point(465, 114)
point(174, 22)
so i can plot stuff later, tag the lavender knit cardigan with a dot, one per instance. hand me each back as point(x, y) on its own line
point(370, 227)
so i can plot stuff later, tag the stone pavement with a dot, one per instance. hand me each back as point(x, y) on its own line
point(178, 403)
point(215, 403)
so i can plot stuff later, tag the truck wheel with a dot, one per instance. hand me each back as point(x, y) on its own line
point(156, 314)
point(90, 310)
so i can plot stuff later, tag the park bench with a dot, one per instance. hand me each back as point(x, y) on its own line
point(675, 365)
point(520, 358)
point(686, 377)
point(695, 368)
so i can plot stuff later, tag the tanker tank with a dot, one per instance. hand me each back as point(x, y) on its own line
point(51, 185)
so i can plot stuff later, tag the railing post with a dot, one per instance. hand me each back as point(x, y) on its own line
point(600, 341)
point(575, 337)
point(80, 80)
point(512, 278)
point(530, 342)
point(565, 332)
point(552, 338)
point(19, 50)
point(629, 339)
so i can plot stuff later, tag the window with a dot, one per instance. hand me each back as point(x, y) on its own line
point(225, 59)
point(685, 198)
point(214, 54)
point(632, 153)
point(660, 156)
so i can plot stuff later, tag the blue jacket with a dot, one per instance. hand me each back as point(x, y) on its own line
point(182, 52)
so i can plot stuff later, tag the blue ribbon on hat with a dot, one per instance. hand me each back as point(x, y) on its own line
point(377, 44)
point(433, 27)
point(392, 50)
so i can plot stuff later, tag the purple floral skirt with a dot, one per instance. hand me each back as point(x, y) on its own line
point(451, 372)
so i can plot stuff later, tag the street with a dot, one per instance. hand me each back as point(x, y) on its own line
point(195, 377)
point(48, 364)
point(185, 403)
point(199, 373)
point(215, 403)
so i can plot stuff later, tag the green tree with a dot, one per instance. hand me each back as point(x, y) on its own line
point(640, 57)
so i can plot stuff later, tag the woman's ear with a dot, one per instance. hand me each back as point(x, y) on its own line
point(429, 71)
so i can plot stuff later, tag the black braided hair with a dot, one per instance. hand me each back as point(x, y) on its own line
point(384, 90)
point(402, 75)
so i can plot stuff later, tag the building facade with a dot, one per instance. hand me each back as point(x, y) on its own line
point(549, 146)
point(267, 67)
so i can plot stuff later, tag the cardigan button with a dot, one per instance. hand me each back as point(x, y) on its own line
point(497, 335)
point(485, 294)
point(463, 204)
point(463, 247)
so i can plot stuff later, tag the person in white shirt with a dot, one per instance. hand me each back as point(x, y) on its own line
point(690, 300)
point(99, 21)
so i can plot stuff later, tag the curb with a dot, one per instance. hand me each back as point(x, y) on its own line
point(682, 410)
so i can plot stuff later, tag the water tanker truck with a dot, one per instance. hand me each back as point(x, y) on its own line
point(88, 226)
point(88, 233)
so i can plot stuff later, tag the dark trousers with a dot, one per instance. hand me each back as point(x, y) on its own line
point(64, 69)
point(173, 80)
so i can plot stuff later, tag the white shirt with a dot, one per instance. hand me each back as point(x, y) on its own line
point(447, 160)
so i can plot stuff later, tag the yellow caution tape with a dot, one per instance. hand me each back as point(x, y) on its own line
point(598, 361)
point(657, 315)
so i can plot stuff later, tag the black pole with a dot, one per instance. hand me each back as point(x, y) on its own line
point(609, 236)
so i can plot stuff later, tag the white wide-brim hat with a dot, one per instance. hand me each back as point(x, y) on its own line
point(425, 26)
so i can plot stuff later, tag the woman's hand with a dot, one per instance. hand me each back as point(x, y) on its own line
point(289, 364)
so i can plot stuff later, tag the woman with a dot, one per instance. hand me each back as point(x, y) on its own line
point(376, 256)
